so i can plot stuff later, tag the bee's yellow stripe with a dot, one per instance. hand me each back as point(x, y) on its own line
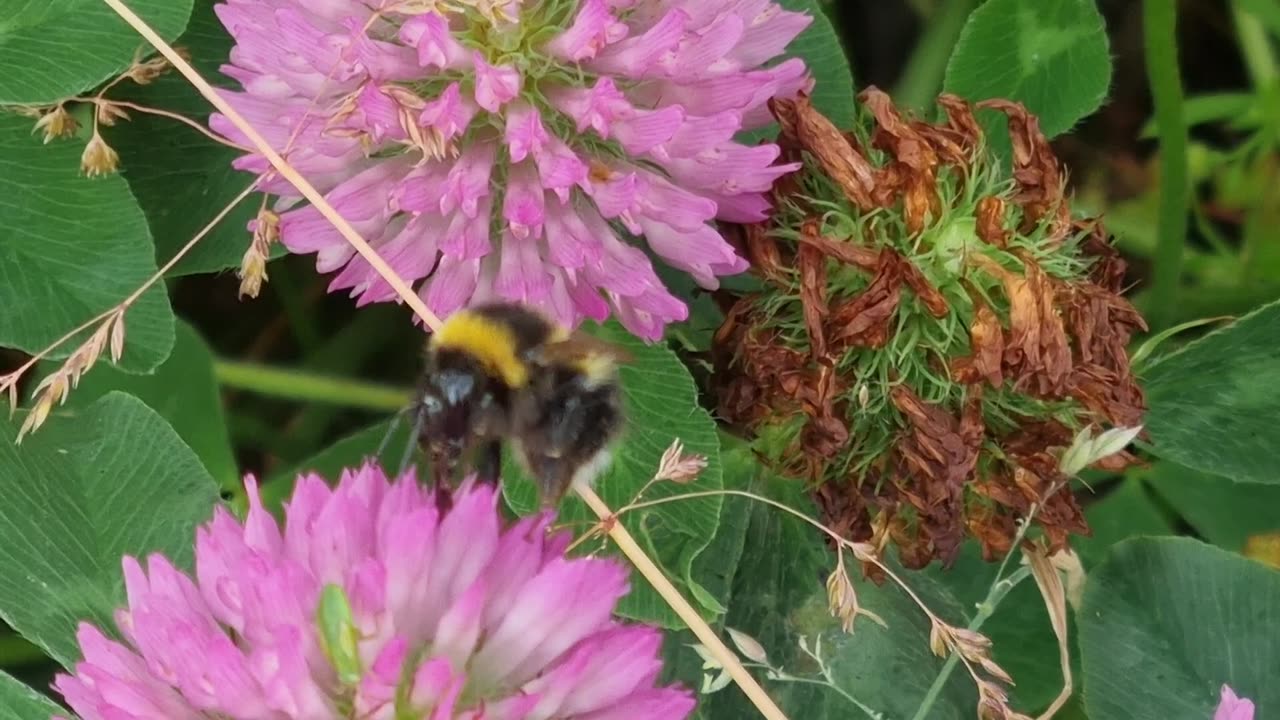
point(597, 368)
point(489, 342)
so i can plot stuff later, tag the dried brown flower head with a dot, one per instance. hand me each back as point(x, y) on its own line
point(56, 123)
point(931, 333)
point(98, 157)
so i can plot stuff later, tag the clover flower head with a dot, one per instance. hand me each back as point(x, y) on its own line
point(372, 601)
point(517, 150)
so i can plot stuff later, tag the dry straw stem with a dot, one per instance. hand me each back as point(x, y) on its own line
point(625, 542)
point(1055, 601)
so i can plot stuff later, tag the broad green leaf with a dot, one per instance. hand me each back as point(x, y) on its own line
point(1166, 622)
point(1125, 510)
point(1212, 404)
point(661, 402)
point(181, 178)
point(184, 392)
point(349, 452)
point(110, 480)
point(1050, 55)
point(779, 596)
point(1223, 513)
point(19, 702)
point(53, 49)
point(72, 248)
point(717, 566)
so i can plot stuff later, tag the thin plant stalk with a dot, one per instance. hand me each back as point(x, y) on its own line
point(1160, 31)
point(305, 386)
point(767, 707)
point(1255, 46)
point(923, 75)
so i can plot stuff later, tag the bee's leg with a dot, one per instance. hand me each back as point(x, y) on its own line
point(489, 462)
point(418, 419)
point(550, 494)
point(444, 496)
point(391, 431)
point(442, 478)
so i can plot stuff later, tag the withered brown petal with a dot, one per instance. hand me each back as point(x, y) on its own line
point(990, 225)
point(896, 135)
point(929, 295)
point(763, 253)
point(1055, 354)
point(813, 296)
point(960, 120)
point(986, 336)
point(939, 453)
point(1041, 185)
point(824, 141)
point(846, 252)
point(1108, 267)
point(1022, 348)
point(864, 320)
point(920, 202)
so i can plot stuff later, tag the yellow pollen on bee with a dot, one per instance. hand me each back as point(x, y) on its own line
point(596, 367)
point(489, 342)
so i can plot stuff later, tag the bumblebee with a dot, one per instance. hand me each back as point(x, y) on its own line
point(502, 372)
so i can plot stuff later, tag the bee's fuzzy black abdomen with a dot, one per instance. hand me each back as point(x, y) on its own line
point(566, 423)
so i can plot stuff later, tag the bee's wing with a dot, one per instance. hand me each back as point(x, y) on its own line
point(579, 344)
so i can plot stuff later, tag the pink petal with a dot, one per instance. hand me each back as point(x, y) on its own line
point(593, 28)
point(700, 133)
point(703, 252)
point(560, 168)
point(569, 243)
point(595, 107)
point(495, 85)
point(450, 114)
point(451, 285)
point(430, 34)
point(522, 276)
point(468, 238)
point(377, 688)
point(378, 114)
point(666, 703)
point(1231, 707)
point(524, 131)
point(635, 55)
point(468, 180)
point(662, 200)
point(459, 630)
point(704, 53)
point(768, 35)
point(644, 129)
point(524, 205)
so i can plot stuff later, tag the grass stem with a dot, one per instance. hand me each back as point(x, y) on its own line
point(1160, 31)
point(293, 384)
point(922, 77)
